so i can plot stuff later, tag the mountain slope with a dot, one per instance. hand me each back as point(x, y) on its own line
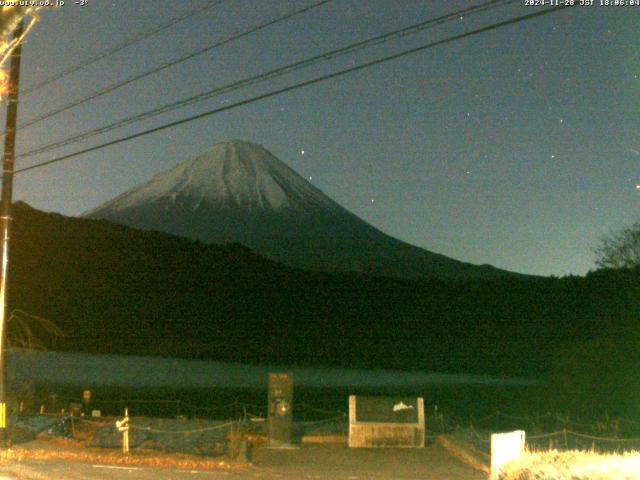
point(114, 289)
point(240, 192)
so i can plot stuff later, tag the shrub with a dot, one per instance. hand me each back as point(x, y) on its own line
point(573, 465)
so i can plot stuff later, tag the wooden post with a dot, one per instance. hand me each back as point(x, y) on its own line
point(123, 426)
point(233, 444)
point(86, 402)
point(5, 217)
point(125, 434)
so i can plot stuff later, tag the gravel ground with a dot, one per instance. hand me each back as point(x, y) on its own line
point(330, 462)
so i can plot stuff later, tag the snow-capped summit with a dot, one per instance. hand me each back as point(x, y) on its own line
point(233, 174)
point(240, 192)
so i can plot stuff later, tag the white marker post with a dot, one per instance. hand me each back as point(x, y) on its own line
point(123, 426)
point(505, 447)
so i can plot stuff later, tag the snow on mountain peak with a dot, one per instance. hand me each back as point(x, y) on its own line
point(239, 192)
point(235, 174)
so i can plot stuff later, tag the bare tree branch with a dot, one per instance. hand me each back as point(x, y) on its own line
point(620, 249)
point(31, 331)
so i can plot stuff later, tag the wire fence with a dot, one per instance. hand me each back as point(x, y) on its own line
point(186, 425)
point(544, 431)
point(203, 436)
point(564, 433)
point(236, 409)
point(553, 420)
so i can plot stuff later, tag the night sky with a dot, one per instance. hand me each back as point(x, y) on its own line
point(518, 147)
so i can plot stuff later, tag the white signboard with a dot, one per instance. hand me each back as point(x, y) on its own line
point(504, 448)
point(386, 422)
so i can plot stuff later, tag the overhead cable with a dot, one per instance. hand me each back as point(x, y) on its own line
point(119, 47)
point(277, 72)
point(296, 86)
point(164, 66)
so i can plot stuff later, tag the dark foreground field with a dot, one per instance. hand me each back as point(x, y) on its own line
point(331, 462)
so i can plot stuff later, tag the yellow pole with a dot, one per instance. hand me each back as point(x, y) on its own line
point(125, 433)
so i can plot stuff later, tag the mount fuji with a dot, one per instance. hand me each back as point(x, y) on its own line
point(240, 192)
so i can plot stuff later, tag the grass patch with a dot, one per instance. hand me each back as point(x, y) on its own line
point(573, 465)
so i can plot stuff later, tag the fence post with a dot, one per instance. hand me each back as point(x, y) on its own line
point(125, 445)
point(123, 426)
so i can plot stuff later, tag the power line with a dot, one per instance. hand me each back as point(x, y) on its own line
point(121, 46)
point(297, 86)
point(172, 63)
point(270, 74)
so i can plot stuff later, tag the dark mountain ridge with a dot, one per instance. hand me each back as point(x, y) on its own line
point(240, 192)
point(114, 289)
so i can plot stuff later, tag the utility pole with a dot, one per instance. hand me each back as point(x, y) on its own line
point(5, 216)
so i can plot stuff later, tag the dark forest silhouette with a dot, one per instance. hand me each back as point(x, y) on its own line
point(113, 289)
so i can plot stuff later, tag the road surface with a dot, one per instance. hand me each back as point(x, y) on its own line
point(326, 462)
